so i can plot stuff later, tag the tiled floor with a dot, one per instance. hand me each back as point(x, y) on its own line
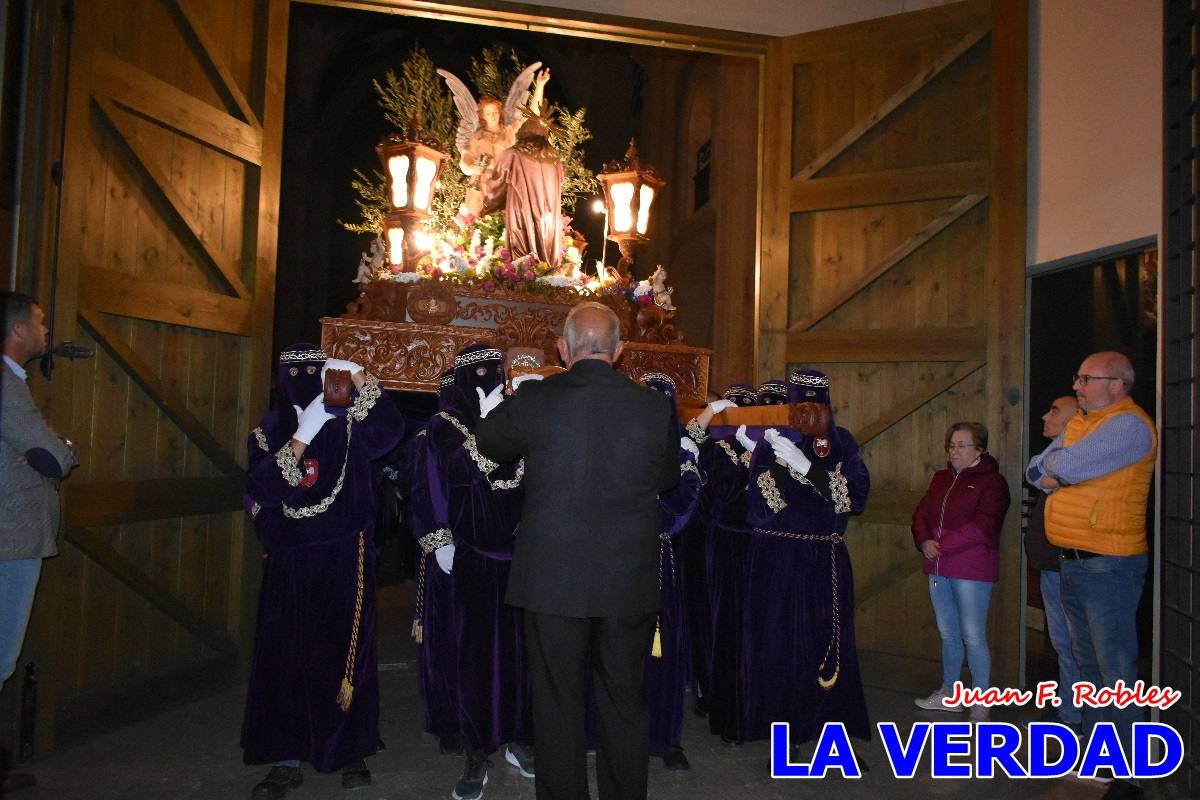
point(192, 752)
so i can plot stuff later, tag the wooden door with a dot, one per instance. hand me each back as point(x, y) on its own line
point(893, 258)
point(166, 267)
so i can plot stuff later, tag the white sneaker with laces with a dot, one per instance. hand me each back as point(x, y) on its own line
point(937, 702)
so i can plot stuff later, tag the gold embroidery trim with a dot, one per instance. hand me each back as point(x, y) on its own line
point(770, 492)
point(367, 396)
point(729, 451)
point(744, 460)
point(689, 466)
point(839, 490)
point(695, 432)
point(515, 481)
point(261, 439)
point(432, 541)
point(289, 465)
point(485, 464)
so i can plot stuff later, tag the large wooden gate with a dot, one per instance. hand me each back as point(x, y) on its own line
point(166, 267)
point(893, 258)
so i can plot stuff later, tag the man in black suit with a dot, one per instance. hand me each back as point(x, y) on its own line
point(598, 449)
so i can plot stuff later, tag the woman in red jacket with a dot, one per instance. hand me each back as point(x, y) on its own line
point(957, 528)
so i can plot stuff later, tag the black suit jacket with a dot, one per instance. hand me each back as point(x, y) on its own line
point(598, 449)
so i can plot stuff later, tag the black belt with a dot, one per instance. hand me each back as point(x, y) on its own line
point(1072, 554)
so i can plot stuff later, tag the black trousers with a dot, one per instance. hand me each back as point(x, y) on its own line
point(563, 652)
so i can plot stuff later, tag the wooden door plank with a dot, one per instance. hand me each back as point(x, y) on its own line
point(896, 256)
point(158, 101)
point(881, 112)
point(891, 186)
point(907, 405)
point(214, 59)
point(114, 292)
point(222, 262)
point(171, 405)
point(887, 345)
point(97, 548)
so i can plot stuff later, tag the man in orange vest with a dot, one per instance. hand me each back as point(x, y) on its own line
point(1097, 474)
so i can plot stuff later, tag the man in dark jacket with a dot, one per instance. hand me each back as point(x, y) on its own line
point(598, 449)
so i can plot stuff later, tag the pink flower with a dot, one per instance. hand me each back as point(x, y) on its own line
point(437, 272)
point(489, 286)
point(397, 269)
point(645, 299)
point(528, 275)
point(505, 255)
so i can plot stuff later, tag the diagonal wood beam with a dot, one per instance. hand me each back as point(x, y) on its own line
point(98, 549)
point(212, 56)
point(896, 256)
point(174, 407)
point(125, 295)
point(887, 345)
point(902, 95)
point(889, 507)
point(902, 185)
point(882, 586)
point(907, 405)
point(224, 265)
point(168, 107)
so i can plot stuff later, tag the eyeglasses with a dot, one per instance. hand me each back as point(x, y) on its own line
point(951, 447)
point(1085, 379)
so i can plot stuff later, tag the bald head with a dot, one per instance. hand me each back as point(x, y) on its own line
point(592, 330)
point(1103, 379)
point(1055, 420)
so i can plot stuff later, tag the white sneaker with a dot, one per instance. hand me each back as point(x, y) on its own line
point(937, 702)
point(980, 713)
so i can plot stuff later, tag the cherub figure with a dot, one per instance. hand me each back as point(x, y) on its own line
point(370, 264)
point(487, 128)
point(662, 292)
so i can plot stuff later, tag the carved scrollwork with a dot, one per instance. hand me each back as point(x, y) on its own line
point(538, 327)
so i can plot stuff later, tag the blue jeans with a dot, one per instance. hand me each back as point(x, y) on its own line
point(18, 582)
point(1101, 597)
point(961, 608)
point(1060, 638)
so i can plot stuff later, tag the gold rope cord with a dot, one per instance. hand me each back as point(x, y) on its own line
point(346, 693)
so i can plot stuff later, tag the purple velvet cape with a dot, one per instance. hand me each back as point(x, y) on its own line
point(788, 612)
point(727, 540)
point(309, 588)
point(491, 674)
point(437, 653)
point(666, 677)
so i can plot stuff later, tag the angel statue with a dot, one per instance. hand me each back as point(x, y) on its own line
point(486, 128)
point(662, 292)
point(370, 265)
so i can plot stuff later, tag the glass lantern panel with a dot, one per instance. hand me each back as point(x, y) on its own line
point(622, 200)
point(426, 169)
point(395, 246)
point(645, 198)
point(398, 167)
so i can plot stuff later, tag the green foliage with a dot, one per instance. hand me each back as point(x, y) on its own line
point(578, 180)
point(491, 76)
point(418, 92)
point(372, 202)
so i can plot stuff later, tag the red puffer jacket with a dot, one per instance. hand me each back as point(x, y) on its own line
point(963, 513)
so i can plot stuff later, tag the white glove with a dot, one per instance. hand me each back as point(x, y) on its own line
point(690, 446)
point(787, 451)
point(529, 376)
point(744, 440)
point(717, 406)
point(312, 419)
point(489, 401)
point(445, 557)
point(338, 363)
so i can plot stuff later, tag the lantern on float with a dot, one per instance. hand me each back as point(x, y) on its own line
point(629, 192)
point(412, 168)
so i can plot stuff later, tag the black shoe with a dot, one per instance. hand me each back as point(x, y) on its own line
point(356, 776)
point(474, 777)
point(521, 757)
point(1122, 790)
point(729, 741)
point(277, 783)
point(675, 760)
point(700, 707)
point(450, 746)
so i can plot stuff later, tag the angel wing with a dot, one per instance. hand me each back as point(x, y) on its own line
point(518, 95)
point(468, 109)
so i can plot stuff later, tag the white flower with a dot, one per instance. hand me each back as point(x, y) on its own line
point(642, 288)
point(405, 277)
point(558, 280)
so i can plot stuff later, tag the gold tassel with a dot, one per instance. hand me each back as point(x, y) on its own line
point(345, 695)
point(418, 631)
point(656, 646)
